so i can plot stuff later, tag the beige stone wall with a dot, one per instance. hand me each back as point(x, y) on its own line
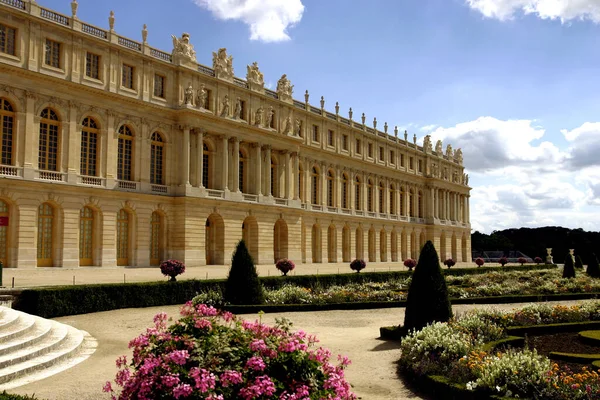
point(201, 222)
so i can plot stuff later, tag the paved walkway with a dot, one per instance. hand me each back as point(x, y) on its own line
point(349, 332)
point(24, 278)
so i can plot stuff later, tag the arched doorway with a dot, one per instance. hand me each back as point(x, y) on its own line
point(45, 245)
point(123, 236)
point(394, 246)
point(280, 240)
point(372, 255)
point(317, 247)
point(383, 246)
point(360, 254)
point(331, 244)
point(454, 243)
point(404, 245)
point(214, 246)
point(463, 248)
point(250, 236)
point(157, 245)
point(86, 236)
point(4, 233)
point(346, 244)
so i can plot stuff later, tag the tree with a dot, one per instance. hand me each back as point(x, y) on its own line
point(427, 300)
point(243, 286)
point(578, 263)
point(569, 268)
point(593, 269)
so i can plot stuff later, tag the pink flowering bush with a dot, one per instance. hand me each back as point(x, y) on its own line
point(479, 261)
point(521, 260)
point(410, 263)
point(172, 268)
point(358, 265)
point(537, 260)
point(213, 355)
point(285, 265)
point(503, 261)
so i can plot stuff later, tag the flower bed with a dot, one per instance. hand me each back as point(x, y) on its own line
point(215, 356)
point(458, 351)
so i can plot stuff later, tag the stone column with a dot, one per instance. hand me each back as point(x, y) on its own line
point(30, 132)
point(365, 193)
point(257, 170)
point(431, 203)
point(288, 176)
point(224, 163)
point(456, 208)
point(200, 157)
point(185, 157)
point(296, 175)
point(306, 183)
point(235, 165)
point(406, 200)
point(386, 197)
point(338, 190)
point(267, 190)
point(323, 197)
point(74, 146)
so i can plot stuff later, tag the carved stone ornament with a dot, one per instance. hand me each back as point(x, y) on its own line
point(458, 156)
point(269, 120)
point(225, 107)
point(258, 117)
point(111, 20)
point(298, 127)
point(438, 148)
point(188, 96)
point(145, 33)
point(255, 78)
point(427, 147)
point(237, 113)
point(284, 89)
point(288, 128)
point(183, 51)
point(202, 97)
point(449, 152)
point(223, 64)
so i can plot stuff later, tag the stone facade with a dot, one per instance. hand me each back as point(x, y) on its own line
point(117, 153)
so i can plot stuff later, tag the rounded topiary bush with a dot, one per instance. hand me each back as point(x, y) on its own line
point(243, 286)
point(521, 260)
point(538, 260)
point(427, 299)
point(410, 263)
point(569, 268)
point(479, 261)
point(503, 261)
point(285, 266)
point(358, 265)
point(593, 269)
point(214, 355)
point(449, 263)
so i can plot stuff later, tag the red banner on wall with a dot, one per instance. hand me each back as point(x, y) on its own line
point(3, 221)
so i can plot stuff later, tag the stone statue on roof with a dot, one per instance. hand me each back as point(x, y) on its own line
point(183, 50)
point(223, 64)
point(284, 88)
point(255, 78)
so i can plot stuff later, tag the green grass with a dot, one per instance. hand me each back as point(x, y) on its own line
point(590, 337)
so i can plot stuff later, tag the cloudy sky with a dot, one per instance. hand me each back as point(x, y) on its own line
point(514, 83)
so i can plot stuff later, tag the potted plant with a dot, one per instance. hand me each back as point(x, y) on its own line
point(503, 261)
point(358, 265)
point(172, 268)
point(479, 261)
point(410, 263)
point(285, 266)
point(521, 260)
point(449, 263)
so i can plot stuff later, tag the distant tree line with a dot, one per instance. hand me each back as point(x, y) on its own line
point(534, 241)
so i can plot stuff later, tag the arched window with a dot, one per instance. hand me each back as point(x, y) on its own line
point(301, 184)
point(330, 198)
point(402, 194)
point(357, 194)
point(89, 148)
point(125, 156)
point(344, 191)
point(7, 115)
point(241, 171)
point(420, 204)
point(205, 165)
point(49, 141)
point(411, 203)
point(122, 237)
point(370, 195)
point(381, 199)
point(157, 159)
point(274, 178)
point(86, 236)
point(315, 185)
point(392, 199)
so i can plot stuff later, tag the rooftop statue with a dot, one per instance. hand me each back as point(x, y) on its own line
point(223, 64)
point(254, 77)
point(449, 153)
point(427, 144)
point(182, 49)
point(458, 156)
point(284, 88)
point(438, 148)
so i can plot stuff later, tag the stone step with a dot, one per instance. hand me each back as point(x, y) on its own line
point(7, 318)
point(34, 348)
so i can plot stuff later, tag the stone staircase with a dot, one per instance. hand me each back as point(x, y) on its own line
point(34, 348)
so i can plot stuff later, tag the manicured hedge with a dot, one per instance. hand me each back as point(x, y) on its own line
point(552, 328)
point(574, 357)
point(590, 337)
point(8, 396)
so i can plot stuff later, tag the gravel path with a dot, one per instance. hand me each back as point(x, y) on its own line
point(352, 333)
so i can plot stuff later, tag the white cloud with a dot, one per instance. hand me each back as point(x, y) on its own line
point(565, 10)
point(519, 179)
point(268, 19)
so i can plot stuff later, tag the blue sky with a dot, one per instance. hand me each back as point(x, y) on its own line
point(513, 82)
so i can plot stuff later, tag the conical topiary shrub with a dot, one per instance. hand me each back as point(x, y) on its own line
point(243, 286)
point(578, 263)
point(569, 268)
point(427, 295)
point(593, 269)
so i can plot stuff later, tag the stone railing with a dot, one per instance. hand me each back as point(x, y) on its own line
point(10, 170)
point(92, 30)
point(54, 16)
point(130, 44)
point(127, 185)
point(91, 180)
point(51, 176)
point(20, 4)
point(163, 189)
point(160, 55)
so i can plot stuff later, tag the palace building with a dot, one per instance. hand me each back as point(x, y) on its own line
point(115, 153)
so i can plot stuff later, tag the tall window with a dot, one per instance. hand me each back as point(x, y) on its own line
point(357, 194)
point(392, 157)
point(122, 237)
point(402, 194)
point(381, 153)
point(7, 115)
point(127, 76)
point(48, 147)
point(420, 204)
point(358, 149)
point(392, 199)
point(159, 86)
point(52, 53)
point(92, 65)
point(330, 137)
point(345, 142)
point(370, 195)
point(402, 160)
point(315, 135)
point(381, 199)
point(315, 185)
point(89, 147)
point(45, 235)
point(8, 37)
point(155, 236)
point(370, 150)
point(242, 168)
point(157, 159)
point(344, 191)
point(301, 184)
point(205, 165)
point(86, 236)
point(125, 156)
point(330, 198)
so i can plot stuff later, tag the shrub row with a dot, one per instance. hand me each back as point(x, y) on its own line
point(8, 396)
